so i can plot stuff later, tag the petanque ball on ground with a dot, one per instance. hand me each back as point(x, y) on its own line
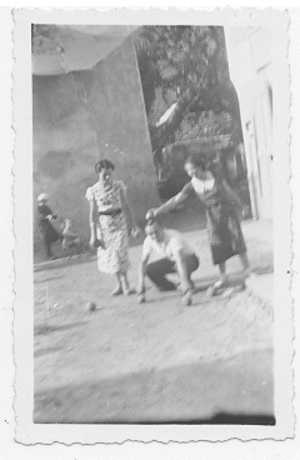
point(91, 306)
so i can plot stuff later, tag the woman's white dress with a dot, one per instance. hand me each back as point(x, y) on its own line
point(111, 230)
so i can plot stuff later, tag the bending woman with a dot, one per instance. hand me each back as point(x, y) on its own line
point(111, 222)
point(223, 210)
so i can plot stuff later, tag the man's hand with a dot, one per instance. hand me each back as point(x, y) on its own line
point(95, 243)
point(99, 244)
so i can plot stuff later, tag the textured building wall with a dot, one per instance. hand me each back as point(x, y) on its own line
point(82, 116)
point(251, 68)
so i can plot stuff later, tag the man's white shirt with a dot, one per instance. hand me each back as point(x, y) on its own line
point(173, 242)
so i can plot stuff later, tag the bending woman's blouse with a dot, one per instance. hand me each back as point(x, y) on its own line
point(112, 229)
point(221, 204)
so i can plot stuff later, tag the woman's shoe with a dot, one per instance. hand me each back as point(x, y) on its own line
point(129, 291)
point(117, 291)
point(142, 298)
point(217, 286)
point(187, 298)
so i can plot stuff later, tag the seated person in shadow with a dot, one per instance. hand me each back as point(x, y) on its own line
point(46, 219)
point(177, 256)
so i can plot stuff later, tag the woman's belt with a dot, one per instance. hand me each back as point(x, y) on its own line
point(110, 212)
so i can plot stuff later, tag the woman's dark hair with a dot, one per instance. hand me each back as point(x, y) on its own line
point(197, 160)
point(104, 164)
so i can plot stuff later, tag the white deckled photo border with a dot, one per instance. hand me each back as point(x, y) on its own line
point(28, 432)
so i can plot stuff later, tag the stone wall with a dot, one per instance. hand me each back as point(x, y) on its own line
point(81, 116)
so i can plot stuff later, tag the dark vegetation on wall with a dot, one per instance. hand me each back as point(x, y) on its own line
point(191, 104)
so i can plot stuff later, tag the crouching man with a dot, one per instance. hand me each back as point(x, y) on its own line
point(176, 256)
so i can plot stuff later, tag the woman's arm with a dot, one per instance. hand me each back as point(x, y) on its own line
point(182, 196)
point(93, 216)
point(92, 223)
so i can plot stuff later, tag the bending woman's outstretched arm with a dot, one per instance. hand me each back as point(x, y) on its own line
point(181, 197)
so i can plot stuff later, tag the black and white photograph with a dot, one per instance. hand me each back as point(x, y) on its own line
point(154, 152)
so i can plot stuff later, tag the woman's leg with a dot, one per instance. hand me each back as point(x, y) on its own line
point(213, 290)
point(125, 283)
point(222, 269)
point(118, 289)
point(245, 262)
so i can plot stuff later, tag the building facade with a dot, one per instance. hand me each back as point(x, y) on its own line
point(252, 71)
point(82, 116)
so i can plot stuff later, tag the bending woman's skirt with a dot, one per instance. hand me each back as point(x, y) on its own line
point(225, 233)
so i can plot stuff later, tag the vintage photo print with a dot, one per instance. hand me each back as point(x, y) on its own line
point(152, 225)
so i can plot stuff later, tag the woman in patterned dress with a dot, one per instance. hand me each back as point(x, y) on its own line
point(223, 210)
point(111, 223)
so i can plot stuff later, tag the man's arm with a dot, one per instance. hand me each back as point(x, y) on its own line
point(143, 265)
point(142, 273)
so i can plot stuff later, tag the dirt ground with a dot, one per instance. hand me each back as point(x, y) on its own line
point(159, 362)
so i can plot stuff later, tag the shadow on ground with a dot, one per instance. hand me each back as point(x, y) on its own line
point(221, 418)
point(186, 394)
point(47, 280)
point(46, 351)
point(44, 329)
